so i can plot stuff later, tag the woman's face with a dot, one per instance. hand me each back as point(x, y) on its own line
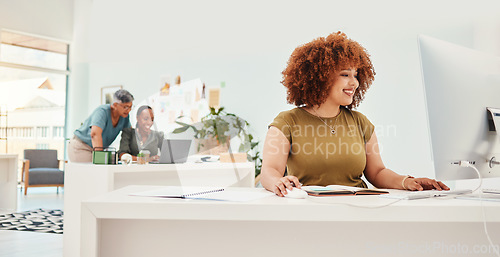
point(145, 120)
point(345, 82)
point(122, 108)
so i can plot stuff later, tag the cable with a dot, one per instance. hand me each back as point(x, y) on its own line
point(470, 165)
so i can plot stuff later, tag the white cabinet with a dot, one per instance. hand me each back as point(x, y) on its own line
point(8, 182)
point(85, 180)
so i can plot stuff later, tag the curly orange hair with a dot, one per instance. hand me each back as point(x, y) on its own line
point(311, 66)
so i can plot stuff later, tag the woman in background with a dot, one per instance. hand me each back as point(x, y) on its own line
point(101, 128)
point(142, 137)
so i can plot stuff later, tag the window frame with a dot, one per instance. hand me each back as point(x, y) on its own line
point(65, 72)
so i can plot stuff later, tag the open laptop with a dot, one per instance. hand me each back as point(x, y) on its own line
point(174, 150)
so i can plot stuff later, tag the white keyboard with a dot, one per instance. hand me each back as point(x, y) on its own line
point(491, 190)
point(412, 195)
point(484, 197)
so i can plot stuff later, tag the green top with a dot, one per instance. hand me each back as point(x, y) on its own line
point(318, 157)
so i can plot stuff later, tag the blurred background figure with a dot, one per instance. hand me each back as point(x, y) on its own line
point(101, 128)
point(142, 137)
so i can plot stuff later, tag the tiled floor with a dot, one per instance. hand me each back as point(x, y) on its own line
point(41, 197)
point(33, 244)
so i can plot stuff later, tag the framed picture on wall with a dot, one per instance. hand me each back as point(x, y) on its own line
point(107, 94)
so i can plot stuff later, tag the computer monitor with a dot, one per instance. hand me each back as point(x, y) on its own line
point(459, 84)
point(174, 150)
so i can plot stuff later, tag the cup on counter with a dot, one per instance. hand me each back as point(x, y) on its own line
point(143, 157)
point(126, 159)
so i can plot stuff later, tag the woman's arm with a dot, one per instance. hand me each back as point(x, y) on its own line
point(125, 144)
point(382, 177)
point(274, 158)
point(159, 137)
point(96, 136)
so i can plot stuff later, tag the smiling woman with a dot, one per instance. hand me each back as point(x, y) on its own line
point(143, 137)
point(323, 141)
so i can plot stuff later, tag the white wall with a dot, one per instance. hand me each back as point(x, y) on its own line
point(247, 44)
point(49, 18)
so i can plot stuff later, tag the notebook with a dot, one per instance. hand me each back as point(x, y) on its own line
point(179, 192)
point(174, 151)
point(206, 193)
point(340, 190)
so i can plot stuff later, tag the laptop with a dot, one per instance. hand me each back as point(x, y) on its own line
point(174, 150)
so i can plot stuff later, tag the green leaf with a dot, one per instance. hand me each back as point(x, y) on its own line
point(180, 130)
point(182, 123)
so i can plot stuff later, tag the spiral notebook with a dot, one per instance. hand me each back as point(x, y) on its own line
point(205, 193)
point(179, 192)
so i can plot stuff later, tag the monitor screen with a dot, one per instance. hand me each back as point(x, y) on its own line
point(459, 84)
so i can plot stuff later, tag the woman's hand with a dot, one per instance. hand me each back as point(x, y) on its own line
point(419, 184)
point(283, 183)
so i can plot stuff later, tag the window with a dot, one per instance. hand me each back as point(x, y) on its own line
point(27, 132)
point(27, 50)
point(42, 132)
point(33, 81)
point(20, 132)
point(10, 132)
point(58, 132)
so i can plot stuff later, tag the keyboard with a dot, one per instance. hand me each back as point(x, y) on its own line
point(491, 190)
point(412, 195)
point(484, 197)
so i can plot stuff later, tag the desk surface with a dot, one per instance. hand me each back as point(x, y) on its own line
point(116, 225)
point(119, 204)
point(163, 167)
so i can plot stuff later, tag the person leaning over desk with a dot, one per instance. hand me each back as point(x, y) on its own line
point(142, 137)
point(101, 128)
point(323, 141)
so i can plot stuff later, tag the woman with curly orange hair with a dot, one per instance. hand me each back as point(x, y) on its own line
point(324, 141)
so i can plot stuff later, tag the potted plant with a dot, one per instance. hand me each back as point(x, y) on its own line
point(220, 126)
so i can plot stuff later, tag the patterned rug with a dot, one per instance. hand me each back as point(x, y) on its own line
point(39, 220)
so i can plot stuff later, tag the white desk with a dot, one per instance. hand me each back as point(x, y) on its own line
point(8, 182)
point(85, 180)
point(117, 224)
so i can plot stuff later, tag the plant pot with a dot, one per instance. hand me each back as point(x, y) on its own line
point(211, 146)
